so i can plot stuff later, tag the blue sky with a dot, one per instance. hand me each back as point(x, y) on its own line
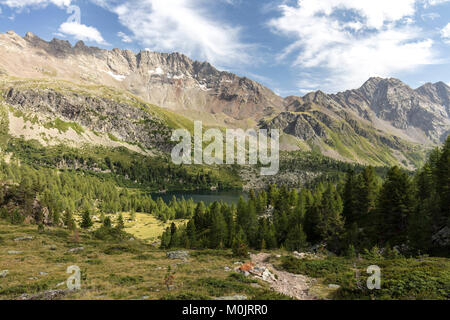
point(292, 47)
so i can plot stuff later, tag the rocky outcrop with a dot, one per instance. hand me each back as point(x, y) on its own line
point(126, 121)
point(178, 254)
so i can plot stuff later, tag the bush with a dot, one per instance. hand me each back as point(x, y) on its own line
point(108, 233)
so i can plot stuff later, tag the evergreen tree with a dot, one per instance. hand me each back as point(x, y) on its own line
point(191, 234)
point(86, 221)
point(350, 211)
point(366, 192)
point(120, 223)
point(296, 238)
point(107, 222)
point(166, 238)
point(69, 221)
point(331, 225)
point(395, 206)
point(443, 185)
point(218, 235)
point(240, 248)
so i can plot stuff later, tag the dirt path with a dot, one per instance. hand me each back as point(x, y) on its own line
point(293, 285)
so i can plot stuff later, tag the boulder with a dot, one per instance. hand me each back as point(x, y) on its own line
point(442, 237)
point(23, 238)
point(14, 252)
point(181, 254)
point(74, 250)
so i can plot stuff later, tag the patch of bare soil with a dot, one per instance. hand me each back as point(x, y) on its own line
point(293, 285)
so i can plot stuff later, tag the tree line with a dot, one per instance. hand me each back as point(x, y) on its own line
point(361, 211)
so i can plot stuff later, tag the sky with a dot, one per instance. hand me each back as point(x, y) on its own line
point(291, 46)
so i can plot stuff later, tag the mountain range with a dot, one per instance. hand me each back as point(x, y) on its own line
point(117, 97)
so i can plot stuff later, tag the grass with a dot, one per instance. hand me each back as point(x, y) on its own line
point(401, 278)
point(146, 226)
point(135, 269)
point(132, 269)
point(63, 126)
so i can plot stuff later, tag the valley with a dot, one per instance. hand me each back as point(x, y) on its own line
point(87, 180)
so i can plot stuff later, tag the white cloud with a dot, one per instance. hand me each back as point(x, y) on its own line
point(378, 40)
point(445, 33)
point(124, 37)
point(25, 3)
point(182, 25)
point(434, 2)
point(82, 32)
point(72, 27)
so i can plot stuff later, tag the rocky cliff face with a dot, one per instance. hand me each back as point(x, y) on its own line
point(121, 119)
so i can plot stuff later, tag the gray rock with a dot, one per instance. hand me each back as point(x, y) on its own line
point(442, 237)
point(47, 295)
point(226, 269)
point(4, 273)
point(334, 286)
point(43, 273)
point(74, 250)
point(23, 238)
point(233, 298)
point(14, 252)
point(181, 254)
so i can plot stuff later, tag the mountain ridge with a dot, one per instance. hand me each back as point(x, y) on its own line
point(354, 125)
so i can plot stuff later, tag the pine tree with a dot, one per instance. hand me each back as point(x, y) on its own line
point(394, 208)
point(240, 245)
point(86, 221)
point(68, 220)
point(165, 239)
point(191, 234)
point(366, 191)
point(313, 218)
point(350, 211)
point(120, 223)
point(296, 238)
point(218, 234)
point(331, 225)
point(420, 224)
point(443, 185)
point(107, 222)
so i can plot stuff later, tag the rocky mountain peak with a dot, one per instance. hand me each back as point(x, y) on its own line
point(438, 93)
